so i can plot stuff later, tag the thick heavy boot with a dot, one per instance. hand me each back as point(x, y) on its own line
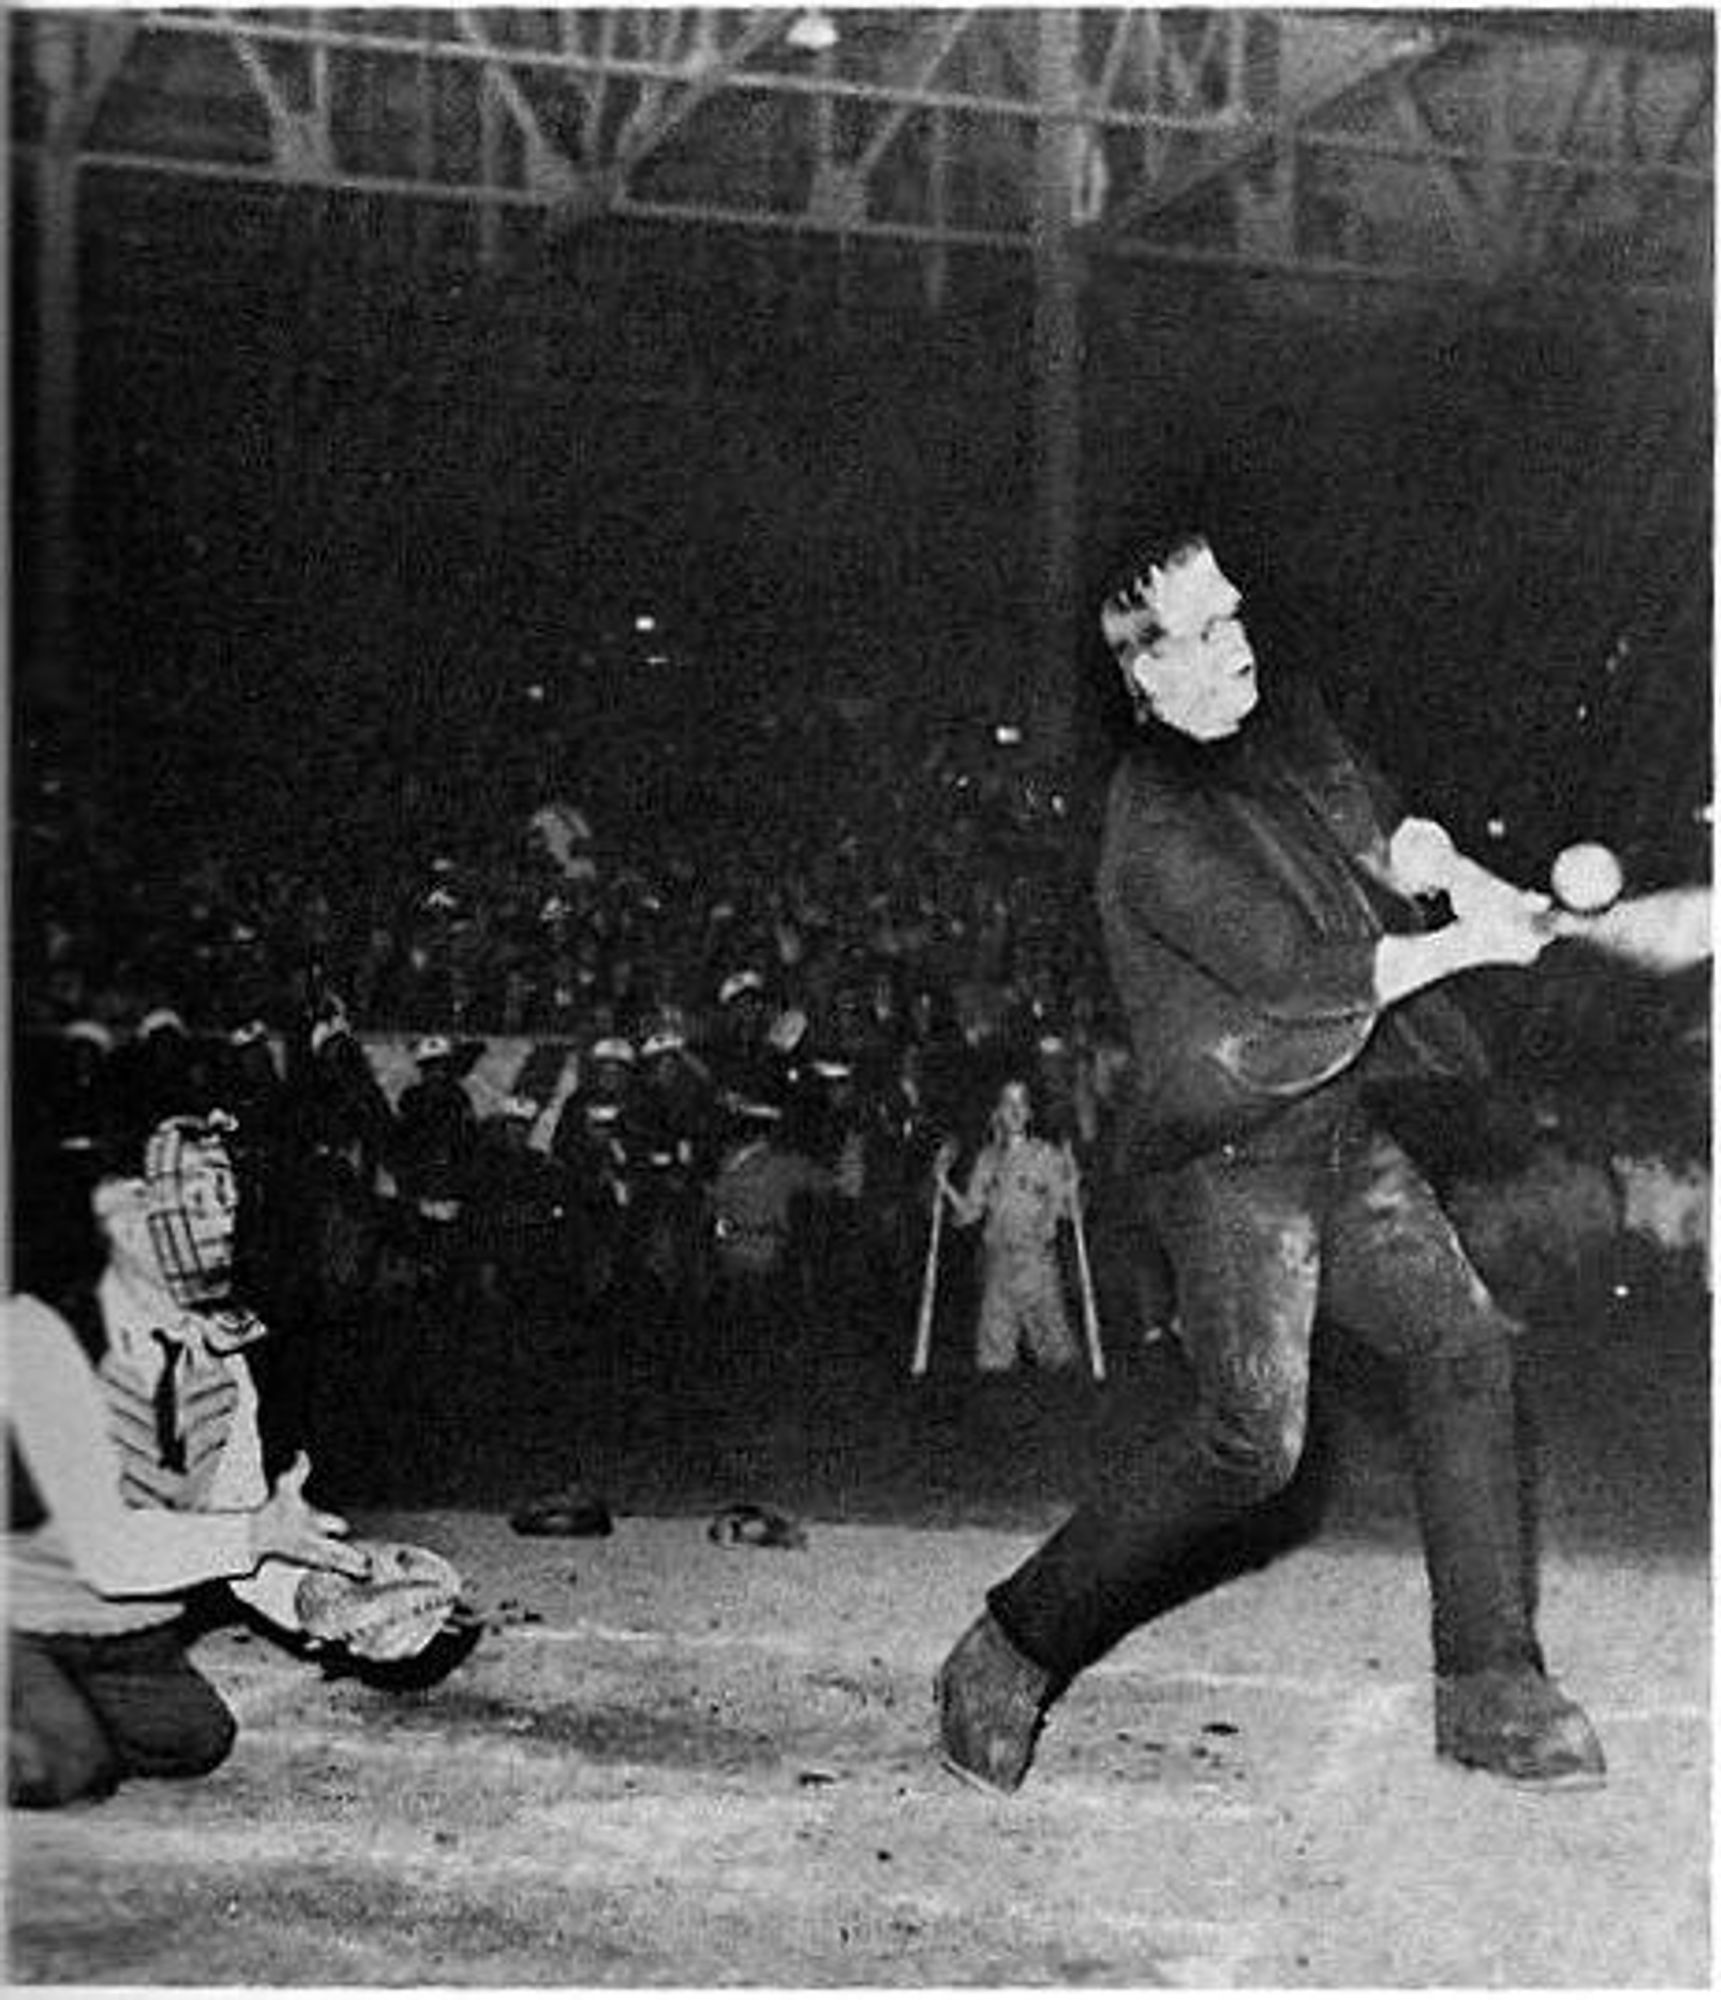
point(992, 1704)
point(1495, 1708)
point(1515, 1723)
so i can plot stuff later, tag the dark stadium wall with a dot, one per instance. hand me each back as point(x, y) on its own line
point(1485, 523)
point(318, 461)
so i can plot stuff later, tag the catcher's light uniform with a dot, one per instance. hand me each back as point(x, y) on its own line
point(136, 1474)
point(113, 1519)
point(110, 1526)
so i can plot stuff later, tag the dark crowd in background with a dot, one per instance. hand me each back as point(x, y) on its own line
point(826, 845)
point(823, 935)
point(788, 948)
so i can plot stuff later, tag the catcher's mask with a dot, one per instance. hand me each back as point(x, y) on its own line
point(191, 1206)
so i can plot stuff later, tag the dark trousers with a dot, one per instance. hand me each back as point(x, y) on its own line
point(87, 1713)
point(1257, 1248)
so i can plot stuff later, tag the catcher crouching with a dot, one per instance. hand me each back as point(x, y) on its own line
point(136, 1475)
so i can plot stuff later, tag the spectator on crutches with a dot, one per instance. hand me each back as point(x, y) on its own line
point(1022, 1187)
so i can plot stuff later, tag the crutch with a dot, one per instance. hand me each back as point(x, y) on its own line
point(1090, 1312)
point(928, 1287)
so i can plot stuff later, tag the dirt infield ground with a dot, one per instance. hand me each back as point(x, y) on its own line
point(677, 1764)
point(671, 1763)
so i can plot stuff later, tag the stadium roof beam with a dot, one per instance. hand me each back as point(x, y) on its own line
point(919, 125)
point(1425, 148)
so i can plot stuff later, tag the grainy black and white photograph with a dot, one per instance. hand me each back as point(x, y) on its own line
point(859, 1059)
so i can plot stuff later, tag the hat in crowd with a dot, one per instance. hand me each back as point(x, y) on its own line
point(737, 983)
point(159, 1021)
point(333, 1025)
point(831, 1070)
point(432, 1048)
point(248, 1032)
point(662, 1042)
point(88, 1031)
point(787, 1031)
point(755, 1110)
point(612, 1048)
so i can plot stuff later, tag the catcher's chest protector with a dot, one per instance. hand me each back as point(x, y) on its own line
point(205, 1399)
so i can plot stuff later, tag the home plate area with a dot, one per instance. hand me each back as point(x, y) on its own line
point(674, 1763)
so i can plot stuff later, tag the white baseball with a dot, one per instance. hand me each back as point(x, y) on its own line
point(1587, 877)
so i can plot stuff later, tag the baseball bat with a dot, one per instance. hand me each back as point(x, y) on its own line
point(928, 1288)
point(1667, 931)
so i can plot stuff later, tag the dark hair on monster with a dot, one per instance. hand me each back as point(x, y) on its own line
point(1125, 617)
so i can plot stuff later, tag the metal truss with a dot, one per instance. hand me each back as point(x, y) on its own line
point(1411, 147)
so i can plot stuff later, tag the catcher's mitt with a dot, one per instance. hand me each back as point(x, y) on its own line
point(393, 1613)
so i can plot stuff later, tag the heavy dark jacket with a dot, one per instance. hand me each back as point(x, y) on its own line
point(1241, 918)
